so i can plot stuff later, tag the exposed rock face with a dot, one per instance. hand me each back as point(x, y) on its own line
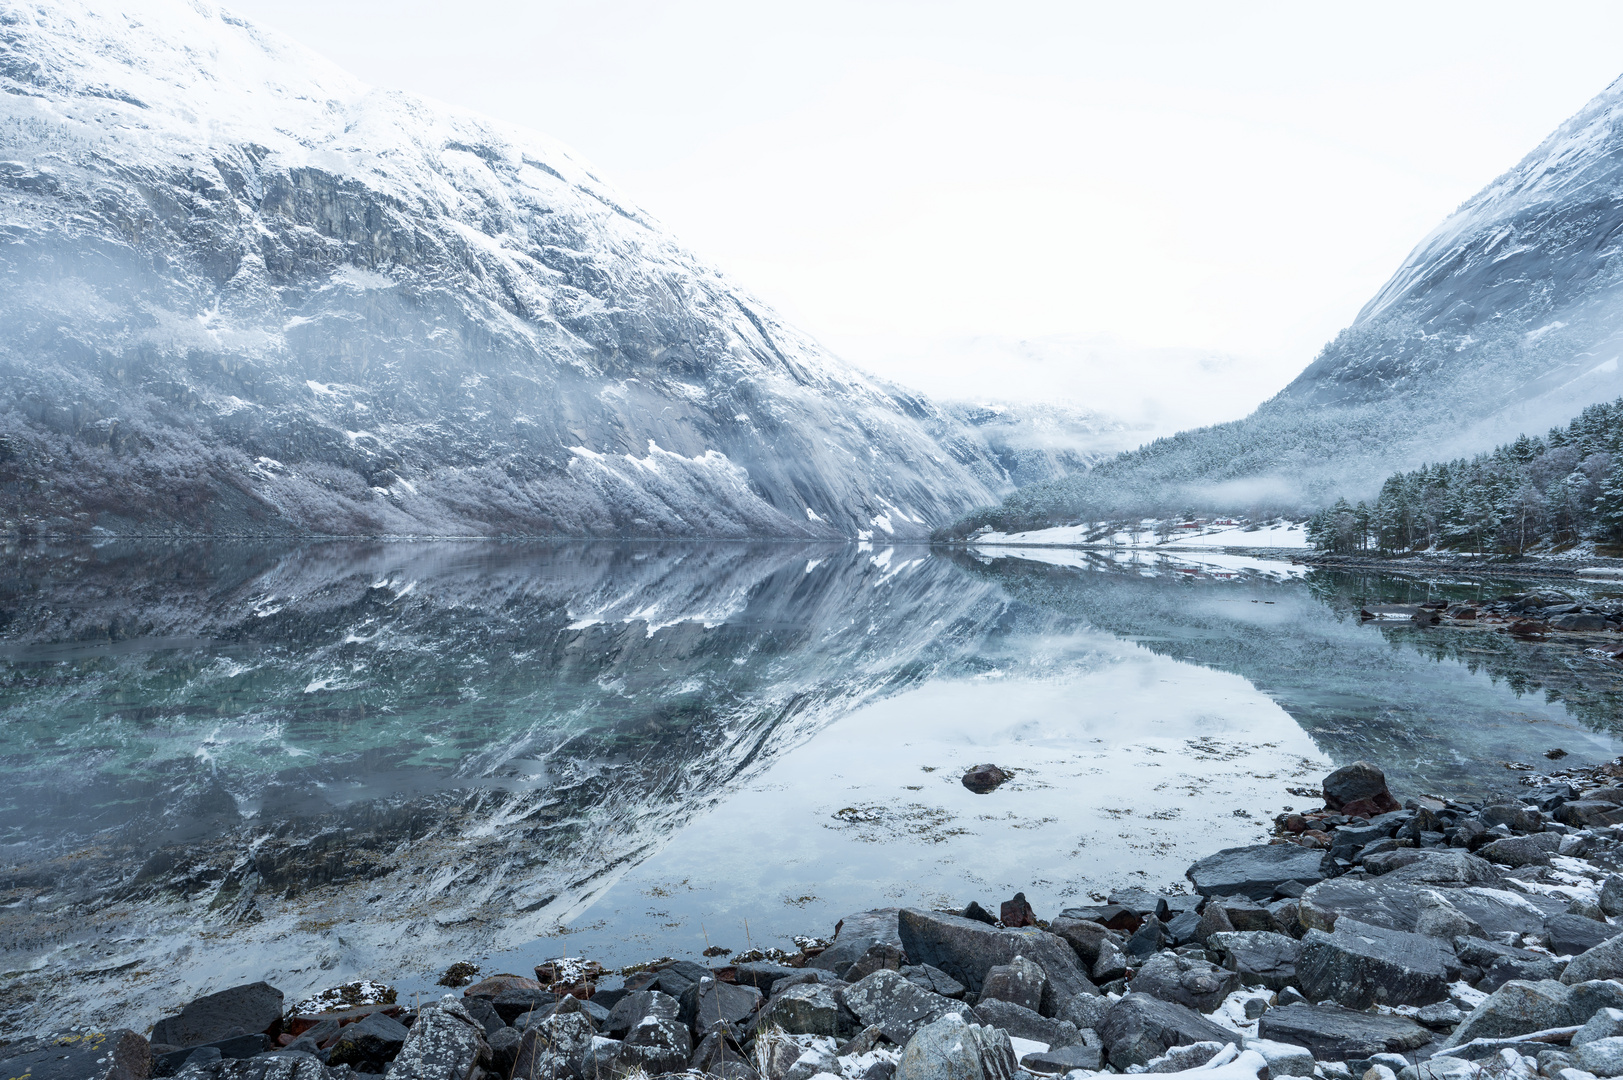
point(245, 292)
point(1139, 1027)
point(1361, 965)
point(967, 950)
point(1336, 1034)
point(444, 1043)
point(114, 1055)
point(241, 1010)
point(1255, 871)
point(951, 1049)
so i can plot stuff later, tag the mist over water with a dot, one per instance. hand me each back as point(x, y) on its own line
point(229, 762)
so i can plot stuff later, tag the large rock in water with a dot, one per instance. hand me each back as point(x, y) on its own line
point(1255, 871)
point(445, 1042)
point(1359, 790)
point(1359, 965)
point(951, 1049)
point(967, 950)
point(1336, 1034)
point(113, 1055)
point(241, 1010)
point(1139, 1027)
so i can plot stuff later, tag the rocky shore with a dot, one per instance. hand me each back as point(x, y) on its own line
point(1373, 939)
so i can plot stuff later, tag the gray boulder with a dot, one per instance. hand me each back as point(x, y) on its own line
point(951, 1049)
point(504, 1044)
point(1138, 1028)
point(1603, 1057)
point(1587, 813)
point(1333, 1033)
point(1605, 1024)
point(242, 1010)
point(1255, 871)
point(812, 1009)
point(370, 1043)
point(636, 1005)
point(120, 1054)
point(710, 1005)
point(853, 937)
point(966, 950)
point(1436, 866)
point(443, 1043)
point(1023, 1023)
point(898, 1007)
point(1086, 1011)
point(657, 1044)
point(762, 974)
point(1258, 956)
point(934, 980)
point(278, 1065)
point(1056, 1062)
point(554, 1047)
point(1534, 850)
point(1603, 961)
point(1112, 963)
point(1183, 1058)
point(1398, 905)
point(1085, 936)
point(1519, 1007)
point(1358, 965)
point(1199, 984)
point(1571, 935)
point(1019, 981)
point(1611, 896)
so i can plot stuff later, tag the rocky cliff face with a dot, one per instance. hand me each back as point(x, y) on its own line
point(243, 292)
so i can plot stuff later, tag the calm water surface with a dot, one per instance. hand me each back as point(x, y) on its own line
point(229, 762)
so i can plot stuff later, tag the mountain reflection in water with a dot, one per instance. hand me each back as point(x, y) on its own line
point(231, 761)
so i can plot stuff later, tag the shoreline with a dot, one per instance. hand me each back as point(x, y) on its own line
point(1427, 940)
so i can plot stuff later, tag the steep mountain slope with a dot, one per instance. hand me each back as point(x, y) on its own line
point(242, 292)
point(1507, 318)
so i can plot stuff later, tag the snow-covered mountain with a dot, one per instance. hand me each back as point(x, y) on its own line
point(241, 291)
point(1508, 318)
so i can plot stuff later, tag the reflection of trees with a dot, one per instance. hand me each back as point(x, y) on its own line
point(1379, 691)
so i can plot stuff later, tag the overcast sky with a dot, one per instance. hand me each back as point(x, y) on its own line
point(900, 178)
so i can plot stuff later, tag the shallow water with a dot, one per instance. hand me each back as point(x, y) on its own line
point(309, 764)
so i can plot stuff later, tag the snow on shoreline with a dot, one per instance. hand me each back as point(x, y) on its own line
point(1285, 534)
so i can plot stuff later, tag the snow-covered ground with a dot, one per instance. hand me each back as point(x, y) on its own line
point(1281, 534)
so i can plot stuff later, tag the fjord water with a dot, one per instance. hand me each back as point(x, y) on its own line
point(230, 762)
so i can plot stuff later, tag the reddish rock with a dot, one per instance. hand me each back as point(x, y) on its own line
point(1017, 913)
point(1359, 790)
point(496, 985)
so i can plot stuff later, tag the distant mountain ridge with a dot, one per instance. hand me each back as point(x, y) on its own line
point(241, 291)
point(1506, 318)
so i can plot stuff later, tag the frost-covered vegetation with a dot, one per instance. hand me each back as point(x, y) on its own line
point(1531, 494)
